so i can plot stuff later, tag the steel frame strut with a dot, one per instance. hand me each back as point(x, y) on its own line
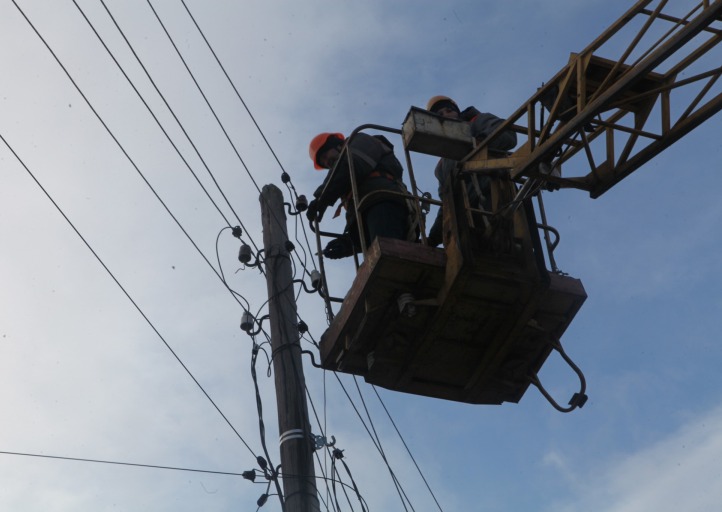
point(618, 113)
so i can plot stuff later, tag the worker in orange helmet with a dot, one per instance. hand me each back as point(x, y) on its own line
point(376, 169)
point(482, 125)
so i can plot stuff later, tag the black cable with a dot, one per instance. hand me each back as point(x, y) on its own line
point(232, 85)
point(303, 263)
point(354, 487)
point(157, 196)
point(213, 112)
point(97, 461)
point(115, 139)
point(140, 96)
point(401, 493)
point(248, 110)
point(137, 307)
point(223, 277)
point(292, 190)
point(323, 433)
point(190, 141)
point(180, 125)
point(205, 98)
point(407, 448)
point(261, 425)
point(399, 487)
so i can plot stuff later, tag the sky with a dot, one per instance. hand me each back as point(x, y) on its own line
point(98, 368)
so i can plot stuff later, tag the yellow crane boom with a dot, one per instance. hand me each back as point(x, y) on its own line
point(620, 113)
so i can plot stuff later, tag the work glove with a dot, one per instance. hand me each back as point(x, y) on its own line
point(338, 248)
point(315, 211)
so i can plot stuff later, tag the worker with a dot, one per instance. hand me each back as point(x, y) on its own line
point(482, 125)
point(376, 169)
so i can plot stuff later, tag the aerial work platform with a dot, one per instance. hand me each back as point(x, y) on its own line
point(479, 343)
point(475, 321)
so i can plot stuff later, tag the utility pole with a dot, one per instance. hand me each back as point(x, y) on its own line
point(297, 469)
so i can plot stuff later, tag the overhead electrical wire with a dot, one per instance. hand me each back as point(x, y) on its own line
point(289, 184)
point(247, 307)
point(117, 463)
point(212, 110)
point(428, 487)
point(332, 455)
point(172, 112)
point(205, 98)
point(292, 189)
point(126, 293)
point(272, 151)
point(117, 142)
point(303, 263)
point(155, 118)
point(261, 426)
point(402, 493)
point(277, 292)
point(374, 436)
point(122, 149)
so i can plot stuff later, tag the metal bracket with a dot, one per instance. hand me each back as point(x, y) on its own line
point(578, 399)
point(322, 442)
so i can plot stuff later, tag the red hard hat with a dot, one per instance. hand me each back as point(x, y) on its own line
point(318, 142)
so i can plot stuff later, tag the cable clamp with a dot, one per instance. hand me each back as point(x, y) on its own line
point(322, 442)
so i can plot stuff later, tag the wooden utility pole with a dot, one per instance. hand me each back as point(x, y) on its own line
point(297, 469)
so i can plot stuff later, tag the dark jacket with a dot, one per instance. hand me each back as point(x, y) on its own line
point(376, 168)
point(482, 125)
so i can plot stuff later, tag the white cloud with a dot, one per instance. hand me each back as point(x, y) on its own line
point(680, 472)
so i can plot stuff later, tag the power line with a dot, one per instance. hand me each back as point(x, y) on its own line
point(212, 110)
point(399, 487)
point(407, 448)
point(125, 292)
point(373, 435)
point(116, 463)
point(205, 98)
point(250, 115)
point(200, 31)
point(302, 263)
point(155, 118)
point(120, 146)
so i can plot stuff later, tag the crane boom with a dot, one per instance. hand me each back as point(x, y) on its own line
point(475, 321)
point(619, 113)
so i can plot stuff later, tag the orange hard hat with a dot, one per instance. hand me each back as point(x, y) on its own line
point(438, 99)
point(318, 142)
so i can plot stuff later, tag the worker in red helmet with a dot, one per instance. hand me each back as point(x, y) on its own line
point(482, 125)
point(376, 169)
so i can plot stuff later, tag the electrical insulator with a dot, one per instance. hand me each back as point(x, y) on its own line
point(289, 246)
point(301, 203)
point(247, 321)
point(237, 231)
point(285, 177)
point(302, 327)
point(315, 279)
point(244, 255)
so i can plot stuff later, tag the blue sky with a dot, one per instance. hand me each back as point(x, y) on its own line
point(83, 375)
